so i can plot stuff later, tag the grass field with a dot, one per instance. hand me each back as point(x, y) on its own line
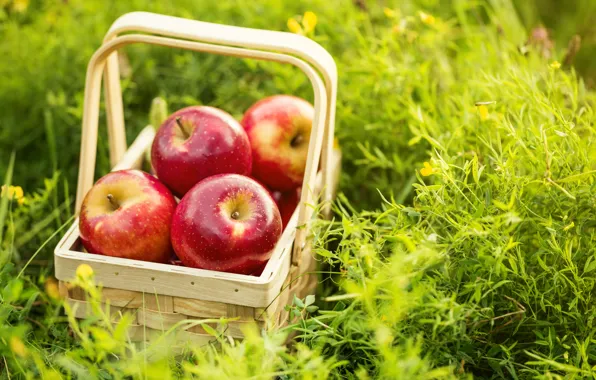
point(464, 235)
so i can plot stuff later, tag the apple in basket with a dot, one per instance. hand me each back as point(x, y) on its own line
point(197, 142)
point(279, 131)
point(228, 223)
point(287, 203)
point(128, 214)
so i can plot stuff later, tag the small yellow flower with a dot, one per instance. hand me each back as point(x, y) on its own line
point(84, 271)
point(426, 18)
point(401, 27)
point(569, 226)
point(20, 6)
point(383, 318)
point(13, 192)
point(555, 65)
point(17, 346)
point(389, 13)
point(294, 26)
point(51, 287)
point(483, 112)
point(309, 21)
point(427, 169)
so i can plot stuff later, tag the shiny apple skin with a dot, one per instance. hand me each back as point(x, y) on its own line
point(272, 124)
point(205, 235)
point(217, 144)
point(139, 228)
point(287, 203)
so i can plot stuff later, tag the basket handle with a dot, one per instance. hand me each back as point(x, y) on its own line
point(96, 68)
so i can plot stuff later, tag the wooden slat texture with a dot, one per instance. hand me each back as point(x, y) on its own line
point(159, 320)
point(123, 298)
point(159, 303)
point(83, 309)
point(263, 314)
point(201, 309)
point(243, 312)
point(63, 289)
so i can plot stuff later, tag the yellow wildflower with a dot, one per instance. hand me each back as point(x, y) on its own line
point(426, 18)
point(51, 287)
point(13, 192)
point(389, 13)
point(483, 112)
point(555, 65)
point(17, 346)
point(294, 26)
point(401, 27)
point(427, 169)
point(20, 6)
point(309, 21)
point(84, 271)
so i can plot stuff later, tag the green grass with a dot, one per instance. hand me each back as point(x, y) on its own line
point(484, 268)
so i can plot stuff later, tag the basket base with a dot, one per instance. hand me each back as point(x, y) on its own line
point(184, 318)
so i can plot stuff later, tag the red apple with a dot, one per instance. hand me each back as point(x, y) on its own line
point(271, 192)
point(197, 142)
point(279, 131)
point(287, 203)
point(128, 214)
point(226, 223)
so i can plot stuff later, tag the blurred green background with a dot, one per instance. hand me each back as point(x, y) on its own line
point(565, 19)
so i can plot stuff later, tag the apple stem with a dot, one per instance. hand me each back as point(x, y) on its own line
point(235, 215)
point(179, 123)
point(113, 202)
point(297, 140)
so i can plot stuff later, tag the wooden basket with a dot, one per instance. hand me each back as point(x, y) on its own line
point(161, 295)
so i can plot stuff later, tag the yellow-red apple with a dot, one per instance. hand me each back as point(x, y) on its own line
point(128, 214)
point(279, 129)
